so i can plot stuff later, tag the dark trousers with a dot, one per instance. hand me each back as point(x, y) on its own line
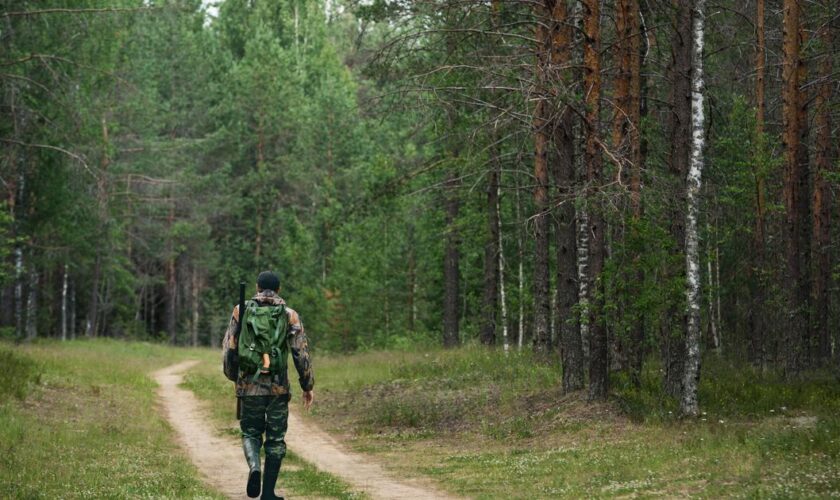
point(267, 415)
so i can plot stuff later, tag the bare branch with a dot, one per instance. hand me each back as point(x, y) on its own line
point(71, 154)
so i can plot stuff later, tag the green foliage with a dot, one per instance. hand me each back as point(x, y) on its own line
point(19, 376)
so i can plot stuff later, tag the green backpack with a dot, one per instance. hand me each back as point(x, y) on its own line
point(263, 330)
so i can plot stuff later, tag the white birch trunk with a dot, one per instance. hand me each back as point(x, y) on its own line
point(688, 402)
point(710, 293)
point(719, 340)
point(72, 319)
point(521, 278)
point(64, 305)
point(583, 276)
point(19, 291)
point(501, 256)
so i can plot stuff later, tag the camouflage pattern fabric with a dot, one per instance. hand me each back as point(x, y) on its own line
point(277, 384)
point(267, 415)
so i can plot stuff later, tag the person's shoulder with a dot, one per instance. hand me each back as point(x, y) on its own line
point(294, 317)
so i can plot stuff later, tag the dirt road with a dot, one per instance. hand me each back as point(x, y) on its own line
point(222, 463)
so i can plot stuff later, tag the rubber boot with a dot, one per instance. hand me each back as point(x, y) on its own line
point(252, 456)
point(272, 469)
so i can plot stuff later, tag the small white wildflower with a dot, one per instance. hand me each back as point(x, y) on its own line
point(720, 421)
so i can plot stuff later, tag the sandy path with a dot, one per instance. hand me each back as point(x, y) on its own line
point(219, 459)
point(222, 463)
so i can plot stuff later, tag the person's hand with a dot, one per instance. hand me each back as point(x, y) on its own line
point(308, 398)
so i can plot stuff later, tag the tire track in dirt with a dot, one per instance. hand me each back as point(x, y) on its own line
point(222, 464)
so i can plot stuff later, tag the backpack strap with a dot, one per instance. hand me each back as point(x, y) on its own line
point(280, 322)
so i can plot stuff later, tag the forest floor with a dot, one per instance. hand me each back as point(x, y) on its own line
point(80, 419)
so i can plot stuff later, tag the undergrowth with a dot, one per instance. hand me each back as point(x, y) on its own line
point(19, 373)
point(731, 390)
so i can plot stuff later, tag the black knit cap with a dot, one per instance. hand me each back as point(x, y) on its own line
point(268, 281)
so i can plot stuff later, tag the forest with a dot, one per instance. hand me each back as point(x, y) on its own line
point(609, 184)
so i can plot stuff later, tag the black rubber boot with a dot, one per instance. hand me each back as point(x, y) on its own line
point(272, 469)
point(251, 448)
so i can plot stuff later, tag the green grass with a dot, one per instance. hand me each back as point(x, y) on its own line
point(485, 424)
point(78, 420)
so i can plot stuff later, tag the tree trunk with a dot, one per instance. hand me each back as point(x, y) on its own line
point(19, 274)
point(598, 345)
point(542, 304)
point(689, 405)
point(714, 324)
point(567, 329)
point(93, 305)
point(803, 207)
point(582, 243)
point(451, 278)
point(63, 328)
point(490, 300)
point(412, 282)
point(195, 283)
point(501, 257)
point(91, 326)
point(821, 209)
point(170, 307)
point(520, 246)
point(32, 303)
point(755, 315)
point(680, 119)
point(638, 96)
point(72, 317)
point(627, 145)
point(792, 173)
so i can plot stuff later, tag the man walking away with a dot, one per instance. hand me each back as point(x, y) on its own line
point(264, 397)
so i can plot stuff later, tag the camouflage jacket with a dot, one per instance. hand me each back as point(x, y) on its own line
point(278, 384)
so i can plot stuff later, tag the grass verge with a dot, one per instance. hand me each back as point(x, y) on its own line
point(484, 424)
point(78, 419)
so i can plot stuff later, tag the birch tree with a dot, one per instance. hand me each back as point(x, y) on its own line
point(688, 402)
